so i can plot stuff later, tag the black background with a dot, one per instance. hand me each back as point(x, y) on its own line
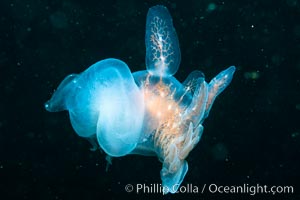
point(252, 135)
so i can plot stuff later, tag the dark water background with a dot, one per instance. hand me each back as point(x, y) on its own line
point(251, 136)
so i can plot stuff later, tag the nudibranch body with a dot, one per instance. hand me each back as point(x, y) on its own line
point(146, 112)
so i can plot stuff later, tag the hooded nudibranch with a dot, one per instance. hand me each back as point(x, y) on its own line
point(146, 112)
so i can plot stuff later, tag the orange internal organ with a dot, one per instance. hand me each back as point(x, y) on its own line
point(163, 108)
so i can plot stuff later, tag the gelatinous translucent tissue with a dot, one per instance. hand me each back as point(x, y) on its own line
point(146, 112)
